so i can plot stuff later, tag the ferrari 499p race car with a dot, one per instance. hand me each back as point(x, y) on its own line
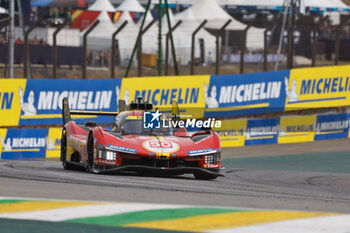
point(131, 147)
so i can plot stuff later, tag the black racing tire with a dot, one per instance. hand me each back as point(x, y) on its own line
point(90, 150)
point(204, 176)
point(63, 158)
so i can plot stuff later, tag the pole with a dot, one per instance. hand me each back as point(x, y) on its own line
point(26, 48)
point(266, 45)
point(337, 44)
point(171, 39)
point(137, 39)
point(318, 22)
point(22, 25)
point(11, 38)
point(4, 23)
point(286, 6)
point(218, 52)
point(160, 12)
point(243, 47)
point(272, 30)
point(92, 27)
point(314, 45)
point(290, 34)
point(167, 48)
point(139, 49)
point(121, 27)
point(337, 39)
point(6, 51)
point(55, 52)
point(193, 44)
point(139, 58)
point(20, 12)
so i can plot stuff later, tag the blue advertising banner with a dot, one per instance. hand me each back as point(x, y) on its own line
point(24, 143)
point(234, 95)
point(262, 131)
point(41, 101)
point(332, 126)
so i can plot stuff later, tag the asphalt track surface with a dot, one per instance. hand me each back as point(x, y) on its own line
point(254, 186)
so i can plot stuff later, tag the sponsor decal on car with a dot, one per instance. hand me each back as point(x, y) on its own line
point(211, 166)
point(160, 146)
point(122, 149)
point(201, 151)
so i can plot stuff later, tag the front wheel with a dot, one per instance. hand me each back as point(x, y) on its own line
point(90, 151)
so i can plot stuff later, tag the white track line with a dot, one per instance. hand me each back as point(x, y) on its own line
point(330, 224)
point(87, 211)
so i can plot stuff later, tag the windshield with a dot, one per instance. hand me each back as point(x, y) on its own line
point(136, 127)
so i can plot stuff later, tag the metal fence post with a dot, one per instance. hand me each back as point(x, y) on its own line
point(243, 48)
point(266, 45)
point(114, 47)
point(167, 47)
point(26, 47)
point(173, 52)
point(91, 28)
point(218, 52)
point(55, 52)
point(193, 44)
point(138, 38)
point(139, 49)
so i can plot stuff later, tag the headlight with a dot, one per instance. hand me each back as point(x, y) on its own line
point(106, 154)
point(213, 158)
point(111, 155)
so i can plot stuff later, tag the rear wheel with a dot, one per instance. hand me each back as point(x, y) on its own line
point(204, 176)
point(65, 165)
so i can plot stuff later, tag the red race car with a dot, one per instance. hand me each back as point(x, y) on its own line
point(131, 146)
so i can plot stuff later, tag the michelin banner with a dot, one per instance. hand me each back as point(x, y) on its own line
point(187, 91)
point(286, 129)
point(237, 95)
point(332, 126)
point(322, 87)
point(38, 102)
point(30, 143)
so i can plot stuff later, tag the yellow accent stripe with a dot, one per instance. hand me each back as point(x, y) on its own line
point(38, 205)
point(295, 134)
point(239, 107)
point(21, 150)
point(262, 137)
point(222, 221)
point(76, 14)
point(328, 132)
point(48, 116)
point(229, 139)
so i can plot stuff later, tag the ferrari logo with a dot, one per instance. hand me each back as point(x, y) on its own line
point(163, 155)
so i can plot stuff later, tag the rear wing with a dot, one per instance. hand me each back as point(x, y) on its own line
point(66, 113)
